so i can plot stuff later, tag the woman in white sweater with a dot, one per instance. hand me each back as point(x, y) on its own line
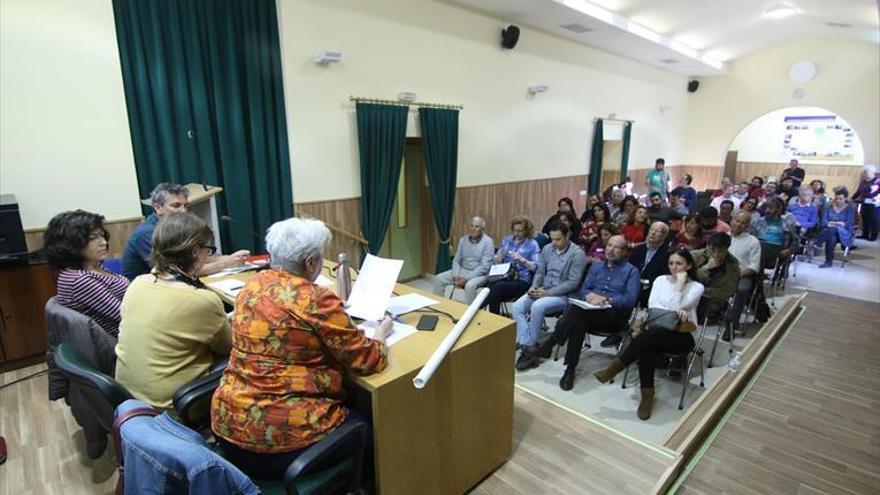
point(678, 292)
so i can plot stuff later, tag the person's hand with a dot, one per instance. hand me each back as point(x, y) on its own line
point(236, 259)
point(516, 257)
point(537, 293)
point(459, 282)
point(682, 315)
point(383, 329)
point(594, 299)
point(681, 277)
point(498, 256)
point(712, 263)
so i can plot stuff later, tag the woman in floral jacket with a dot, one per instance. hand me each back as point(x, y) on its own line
point(292, 344)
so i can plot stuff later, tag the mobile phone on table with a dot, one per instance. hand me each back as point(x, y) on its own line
point(427, 323)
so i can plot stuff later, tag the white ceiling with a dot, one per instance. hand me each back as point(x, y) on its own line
point(721, 29)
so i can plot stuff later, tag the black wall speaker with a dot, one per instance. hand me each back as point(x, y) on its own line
point(693, 85)
point(509, 36)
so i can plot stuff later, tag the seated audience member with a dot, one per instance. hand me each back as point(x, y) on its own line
point(613, 286)
point(590, 230)
point(282, 390)
point(868, 198)
point(596, 253)
point(750, 206)
point(470, 266)
point(592, 201)
point(820, 197)
point(630, 205)
point(172, 325)
point(677, 203)
point(559, 273)
point(725, 214)
point(787, 188)
point(726, 195)
point(691, 236)
point(710, 223)
point(793, 172)
point(75, 244)
point(522, 252)
point(756, 188)
point(741, 190)
point(615, 206)
point(563, 205)
point(777, 233)
point(166, 199)
point(568, 219)
point(746, 248)
point(838, 225)
point(718, 271)
point(805, 213)
point(658, 212)
point(686, 192)
point(657, 180)
point(635, 228)
point(677, 292)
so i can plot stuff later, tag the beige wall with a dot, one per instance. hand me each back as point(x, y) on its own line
point(448, 54)
point(847, 83)
point(64, 139)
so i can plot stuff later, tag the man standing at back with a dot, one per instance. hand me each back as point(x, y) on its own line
point(166, 198)
point(657, 180)
point(470, 267)
point(793, 172)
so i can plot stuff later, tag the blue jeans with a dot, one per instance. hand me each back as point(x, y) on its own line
point(529, 316)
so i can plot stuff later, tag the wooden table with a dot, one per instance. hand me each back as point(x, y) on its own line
point(448, 436)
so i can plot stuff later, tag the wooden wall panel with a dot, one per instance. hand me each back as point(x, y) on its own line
point(342, 213)
point(832, 175)
point(704, 176)
point(119, 231)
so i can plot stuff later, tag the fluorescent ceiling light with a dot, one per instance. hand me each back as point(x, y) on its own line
point(642, 31)
point(712, 62)
point(591, 10)
point(684, 50)
point(781, 11)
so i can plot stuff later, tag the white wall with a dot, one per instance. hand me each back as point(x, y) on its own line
point(445, 53)
point(64, 138)
point(761, 140)
point(847, 83)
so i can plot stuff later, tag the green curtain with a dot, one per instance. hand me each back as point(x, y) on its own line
point(203, 88)
point(624, 158)
point(440, 143)
point(381, 136)
point(596, 159)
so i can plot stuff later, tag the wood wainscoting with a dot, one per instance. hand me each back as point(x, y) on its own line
point(119, 231)
point(343, 213)
point(832, 175)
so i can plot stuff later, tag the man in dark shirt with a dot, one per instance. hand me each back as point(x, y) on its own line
point(794, 171)
point(658, 212)
point(651, 259)
point(612, 289)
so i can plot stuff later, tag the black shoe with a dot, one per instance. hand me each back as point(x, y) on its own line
point(726, 336)
point(567, 380)
point(526, 361)
point(610, 341)
point(544, 350)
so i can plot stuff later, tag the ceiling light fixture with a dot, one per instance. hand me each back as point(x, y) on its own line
point(781, 11)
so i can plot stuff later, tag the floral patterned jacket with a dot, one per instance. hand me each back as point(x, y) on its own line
point(291, 345)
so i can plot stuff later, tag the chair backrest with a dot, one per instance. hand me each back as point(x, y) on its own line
point(79, 371)
point(542, 239)
point(317, 471)
point(192, 401)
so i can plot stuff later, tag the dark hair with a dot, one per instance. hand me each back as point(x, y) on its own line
point(760, 179)
point(695, 218)
point(688, 178)
point(659, 161)
point(174, 239)
point(821, 189)
point(727, 202)
point(841, 191)
point(571, 217)
point(625, 180)
point(709, 212)
point(632, 220)
point(608, 227)
point(655, 193)
point(631, 199)
point(67, 235)
point(560, 227)
point(780, 204)
point(685, 253)
point(719, 240)
point(752, 199)
point(604, 211)
point(567, 201)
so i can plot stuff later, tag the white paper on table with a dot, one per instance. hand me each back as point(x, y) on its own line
point(399, 331)
point(585, 305)
point(408, 302)
point(324, 281)
point(233, 270)
point(372, 289)
point(500, 269)
point(229, 287)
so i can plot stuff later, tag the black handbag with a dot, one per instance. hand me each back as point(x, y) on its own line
point(662, 319)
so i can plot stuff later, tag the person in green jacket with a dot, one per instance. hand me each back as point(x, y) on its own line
point(718, 271)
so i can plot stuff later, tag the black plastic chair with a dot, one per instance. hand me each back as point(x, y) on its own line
point(309, 474)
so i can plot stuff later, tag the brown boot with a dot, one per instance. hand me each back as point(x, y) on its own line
point(608, 373)
point(646, 404)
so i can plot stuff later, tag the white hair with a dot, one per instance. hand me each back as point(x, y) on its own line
point(871, 169)
point(291, 241)
point(479, 221)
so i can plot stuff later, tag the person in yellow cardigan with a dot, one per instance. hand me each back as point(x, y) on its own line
point(172, 327)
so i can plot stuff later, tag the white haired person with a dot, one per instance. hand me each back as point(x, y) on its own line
point(292, 344)
point(868, 197)
point(470, 267)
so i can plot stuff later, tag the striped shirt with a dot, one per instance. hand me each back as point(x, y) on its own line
point(93, 294)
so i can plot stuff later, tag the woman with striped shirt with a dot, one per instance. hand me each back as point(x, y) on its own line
point(75, 244)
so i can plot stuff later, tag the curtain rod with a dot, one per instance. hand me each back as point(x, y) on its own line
point(382, 101)
point(605, 119)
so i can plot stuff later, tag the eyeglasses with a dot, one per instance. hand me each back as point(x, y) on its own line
point(211, 249)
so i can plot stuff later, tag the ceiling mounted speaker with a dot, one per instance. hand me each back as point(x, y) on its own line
point(509, 36)
point(693, 85)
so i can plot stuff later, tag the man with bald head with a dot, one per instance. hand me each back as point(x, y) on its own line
point(470, 267)
point(612, 288)
point(651, 257)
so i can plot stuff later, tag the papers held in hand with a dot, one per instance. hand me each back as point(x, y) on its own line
point(585, 305)
point(372, 290)
point(499, 269)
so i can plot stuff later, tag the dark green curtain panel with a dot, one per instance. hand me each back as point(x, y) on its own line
point(624, 159)
point(205, 100)
point(596, 159)
point(440, 143)
point(381, 136)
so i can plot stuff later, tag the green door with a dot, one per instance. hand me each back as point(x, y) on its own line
point(404, 238)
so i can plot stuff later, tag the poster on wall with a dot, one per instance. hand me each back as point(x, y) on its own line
point(817, 137)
